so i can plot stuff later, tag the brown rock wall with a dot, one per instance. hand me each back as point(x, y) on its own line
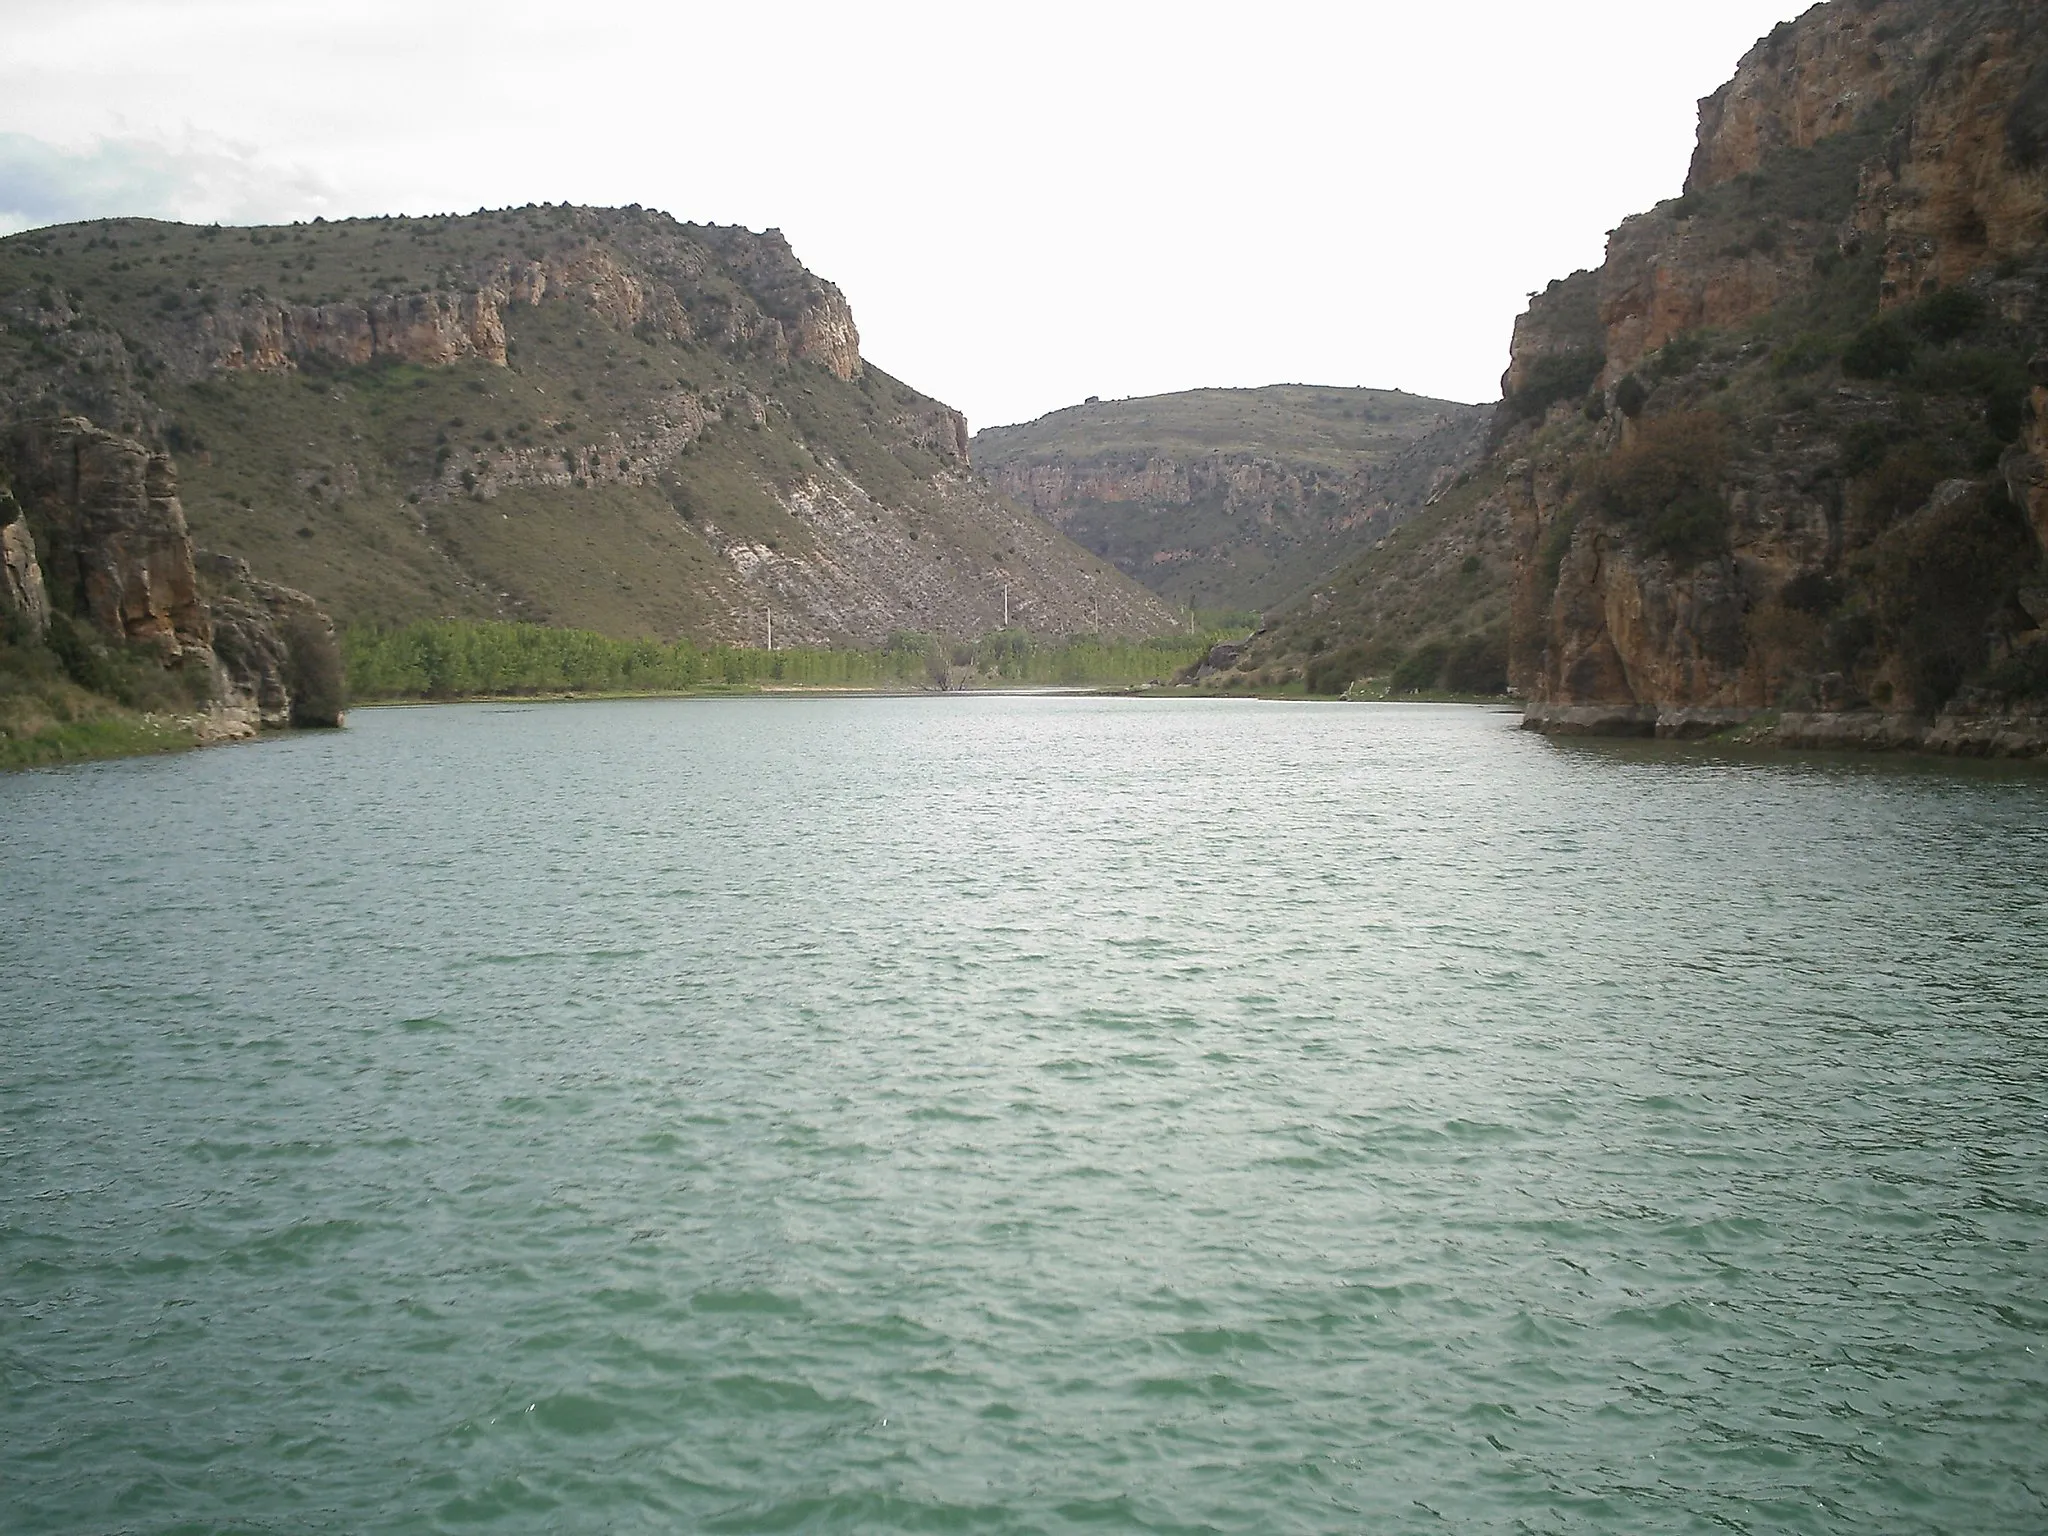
point(117, 538)
point(1663, 278)
point(1808, 80)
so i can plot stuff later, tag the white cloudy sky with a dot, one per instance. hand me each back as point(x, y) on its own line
point(1026, 203)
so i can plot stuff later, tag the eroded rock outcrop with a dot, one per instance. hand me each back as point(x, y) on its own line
point(280, 659)
point(744, 291)
point(22, 595)
point(115, 545)
point(120, 559)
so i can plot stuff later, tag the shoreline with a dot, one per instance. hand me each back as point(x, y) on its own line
point(1948, 738)
point(1950, 735)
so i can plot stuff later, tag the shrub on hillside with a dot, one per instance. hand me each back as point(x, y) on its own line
point(1334, 672)
point(1806, 353)
point(2026, 125)
point(313, 671)
point(1882, 349)
point(1666, 485)
point(1948, 315)
point(1899, 485)
point(1478, 664)
point(1553, 377)
point(1935, 582)
point(1421, 670)
point(1679, 355)
point(2023, 675)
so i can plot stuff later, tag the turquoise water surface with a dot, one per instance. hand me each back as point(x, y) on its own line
point(1019, 1115)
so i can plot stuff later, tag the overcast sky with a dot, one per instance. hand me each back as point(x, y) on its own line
point(1026, 204)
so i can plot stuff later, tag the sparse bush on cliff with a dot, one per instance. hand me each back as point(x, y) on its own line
point(1666, 485)
point(1996, 378)
point(1948, 315)
point(1900, 484)
point(1630, 397)
point(1882, 349)
point(1553, 377)
point(2026, 125)
point(2022, 676)
point(1808, 352)
point(1679, 355)
point(1811, 592)
point(1557, 543)
point(1935, 582)
point(1864, 446)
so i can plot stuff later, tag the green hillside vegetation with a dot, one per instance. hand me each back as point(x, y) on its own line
point(70, 696)
point(572, 485)
point(1422, 614)
point(456, 659)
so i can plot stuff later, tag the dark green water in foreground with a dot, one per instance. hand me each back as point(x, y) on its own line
point(1019, 1115)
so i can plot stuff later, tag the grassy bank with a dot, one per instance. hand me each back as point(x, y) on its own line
point(453, 659)
point(74, 697)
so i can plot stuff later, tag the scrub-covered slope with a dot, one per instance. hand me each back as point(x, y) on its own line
point(589, 417)
point(1233, 498)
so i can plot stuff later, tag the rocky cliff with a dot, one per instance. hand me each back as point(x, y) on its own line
point(97, 538)
point(593, 417)
point(1776, 466)
point(1233, 499)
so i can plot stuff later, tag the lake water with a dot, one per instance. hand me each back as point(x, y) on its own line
point(1006, 1115)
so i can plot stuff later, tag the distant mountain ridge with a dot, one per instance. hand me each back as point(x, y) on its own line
point(1233, 498)
point(600, 418)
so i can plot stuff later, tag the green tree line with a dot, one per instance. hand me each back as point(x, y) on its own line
point(455, 658)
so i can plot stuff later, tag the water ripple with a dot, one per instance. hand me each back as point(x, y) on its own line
point(1020, 1115)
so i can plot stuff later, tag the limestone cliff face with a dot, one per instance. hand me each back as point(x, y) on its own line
point(118, 549)
point(22, 594)
point(1809, 479)
point(1809, 80)
point(1561, 322)
point(430, 329)
point(273, 645)
point(803, 318)
point(1932, 108)
point(121, 559)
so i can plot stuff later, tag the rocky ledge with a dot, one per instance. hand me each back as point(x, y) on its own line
point(1961, 731)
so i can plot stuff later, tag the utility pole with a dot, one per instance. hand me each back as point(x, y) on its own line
point(1006, 605)
point(771, 626)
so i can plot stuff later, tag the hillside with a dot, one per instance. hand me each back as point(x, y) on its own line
point(1778, 465)
point(1232, 498)
point(583, 417)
